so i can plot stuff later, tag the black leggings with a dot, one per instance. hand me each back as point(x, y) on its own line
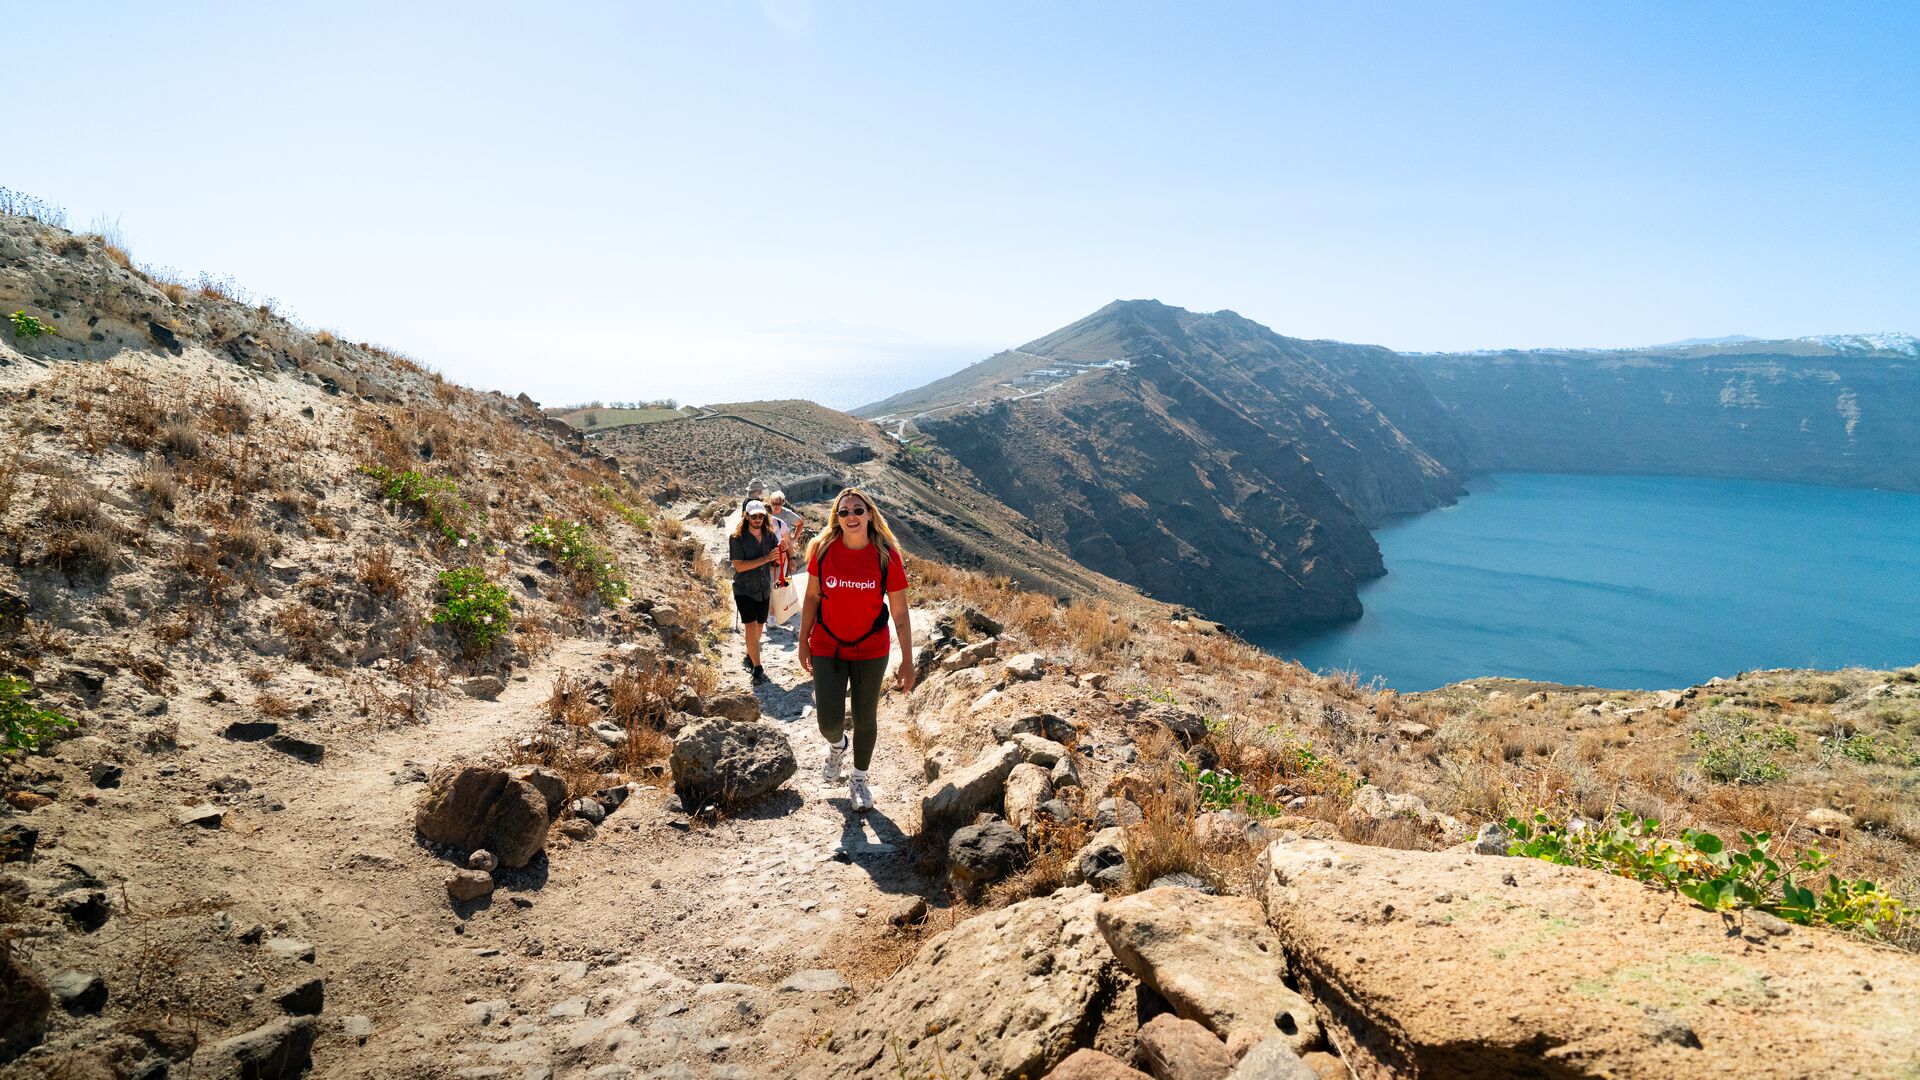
point(831, 680)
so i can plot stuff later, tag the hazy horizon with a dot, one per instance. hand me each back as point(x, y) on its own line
point(651, 201)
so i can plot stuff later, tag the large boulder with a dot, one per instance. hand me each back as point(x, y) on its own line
point(1006, 994)
point(1214, 959)
point(25, 1002)
point(730, 761)
point(983, 854)
point(476, 806)
point(1434, 963)
point(955, 798)
point(1028, 785)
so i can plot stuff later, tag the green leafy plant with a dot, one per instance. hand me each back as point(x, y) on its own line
point(1704, 869)
point(633, 517)
point(1734, 750)
point(22, 725)
point(591, 566)
point(1221, 790)
point(473, 606)
point(438, 500)
point(26, 326)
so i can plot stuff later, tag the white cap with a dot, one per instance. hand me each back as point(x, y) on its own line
point(755, 506)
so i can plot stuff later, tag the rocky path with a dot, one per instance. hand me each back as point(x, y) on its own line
point(661, 947)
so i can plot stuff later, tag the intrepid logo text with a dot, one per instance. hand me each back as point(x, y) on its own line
point(849, 583)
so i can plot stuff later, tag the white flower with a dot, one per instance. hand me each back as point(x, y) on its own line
point(463, 541)
point(486, 619)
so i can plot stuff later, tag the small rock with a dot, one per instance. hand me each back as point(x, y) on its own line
point(281, 1049)
point(730, 761)
point(1492, 840)
point(105, 774)
point(814, 981)
point(908, 911)
point(464, 885)
point(357, 1028)
point(1102, 861)
point(1180, 879)
point(205, 815)
point(588, 810)
point(482, 860)
point(609, 733)
point(79, 991)
point(982, 854)
point(1026, 666)
point(290, 949)
point(304, 998)
point(485, 687)
point(1407, 729)
point(17, 842)
point(1828, 822)
point(1116, 812)
point(1757, 925)
point(576, 828)
point(250, 730)
point(231, 785)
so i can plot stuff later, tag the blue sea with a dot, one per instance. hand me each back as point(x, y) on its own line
point(1634, 582)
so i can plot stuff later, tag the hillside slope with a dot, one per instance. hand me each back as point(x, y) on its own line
point(935, 504)
point(1201, 458)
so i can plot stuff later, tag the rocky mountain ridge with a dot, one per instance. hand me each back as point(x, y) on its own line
point(1213, 462)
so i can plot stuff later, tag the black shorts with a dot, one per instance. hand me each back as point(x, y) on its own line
point(751, 610)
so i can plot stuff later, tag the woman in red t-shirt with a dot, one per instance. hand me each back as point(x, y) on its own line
point(851, 567)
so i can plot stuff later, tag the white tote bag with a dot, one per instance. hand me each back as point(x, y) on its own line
point(785, 600)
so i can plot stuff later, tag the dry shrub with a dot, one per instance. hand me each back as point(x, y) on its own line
point(640, 699)
point(179, 439)
point(309, 634)
point(157, 481)
point(1096, 629)
point(669, 527)
point(273, 706)
point(376, 570)
point(533, 635)
point(1164, 841)
point(1052, 847)
point(81, 538)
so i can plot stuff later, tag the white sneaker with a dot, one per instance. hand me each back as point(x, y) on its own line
point(836, 757)
point(857, 790)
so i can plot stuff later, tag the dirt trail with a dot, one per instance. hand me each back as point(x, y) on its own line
point(659, 945)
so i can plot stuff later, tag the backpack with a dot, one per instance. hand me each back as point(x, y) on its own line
point(879, 621)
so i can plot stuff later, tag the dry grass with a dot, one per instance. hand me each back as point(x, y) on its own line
point(376, 570)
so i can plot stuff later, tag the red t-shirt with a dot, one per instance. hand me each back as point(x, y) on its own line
point(850, 600)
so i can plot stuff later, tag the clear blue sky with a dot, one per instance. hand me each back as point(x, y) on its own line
point(711, 199)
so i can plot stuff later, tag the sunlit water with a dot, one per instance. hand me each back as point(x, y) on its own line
point(1635, 582)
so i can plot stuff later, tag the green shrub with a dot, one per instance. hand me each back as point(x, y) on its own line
point(435, 499)
point(591, 566)
point(1733, 751)
point(633, 517)
point(1701, 867)
point(22, 726)
point(26, 326)
point(1221, 790)
point(473, 606)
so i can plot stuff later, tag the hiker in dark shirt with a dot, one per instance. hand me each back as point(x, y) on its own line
point(753, 548)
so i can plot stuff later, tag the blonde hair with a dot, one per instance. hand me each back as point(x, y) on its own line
point(877, 530)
